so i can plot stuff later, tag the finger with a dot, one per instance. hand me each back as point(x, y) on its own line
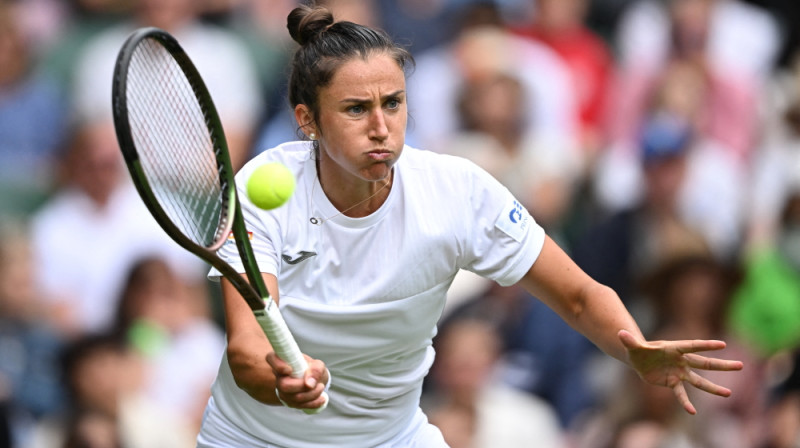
point(316, 373)
point(290, 385)
point(309, 379)
point(697, 345)
point(706, 385)
point(683, 398)
point(308, 396)
point(281, 367)
point(314, 404)
point(705, 363)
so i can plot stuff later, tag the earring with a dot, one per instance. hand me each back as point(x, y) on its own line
point(312, 136)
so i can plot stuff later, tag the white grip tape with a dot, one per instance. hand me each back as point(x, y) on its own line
point(285, 346)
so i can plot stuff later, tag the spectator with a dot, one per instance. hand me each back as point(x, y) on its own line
point(483, 47)
point(712, 195)
point(777, 163)
point(708, 32)
point(635, 416)
point(104, 382)
point(261, 28)
point(33, 116)
point(540, 353)
point(784, 412)
point(220, 57)
point(89, 233)
point(541, 172)
point(691, 296)
point(29, 384)
point(766, 311)
point(170, 327)
point(472, 408)
point(625, 246)
point(92, 429)
point(560, 24)
point(419, 24)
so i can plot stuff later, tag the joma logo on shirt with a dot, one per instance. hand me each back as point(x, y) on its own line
point(303, 255)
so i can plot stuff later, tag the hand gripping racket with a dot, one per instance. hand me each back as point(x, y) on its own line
point(175, 149)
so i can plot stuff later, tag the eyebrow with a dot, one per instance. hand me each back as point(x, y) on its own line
point(394, 94)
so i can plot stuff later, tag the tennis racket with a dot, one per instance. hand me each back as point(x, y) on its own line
point(175, 149)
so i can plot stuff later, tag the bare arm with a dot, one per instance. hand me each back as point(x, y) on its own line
point(593, 309)
point(255, 367)
point(598, 313)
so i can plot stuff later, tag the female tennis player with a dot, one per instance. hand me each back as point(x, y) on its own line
point(362, 255)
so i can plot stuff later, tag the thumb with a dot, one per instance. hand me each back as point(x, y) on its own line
point(628, 339)
point(310, 380)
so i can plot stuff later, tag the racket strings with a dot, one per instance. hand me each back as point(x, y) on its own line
point(176, 149)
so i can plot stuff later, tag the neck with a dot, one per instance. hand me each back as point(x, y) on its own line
point(356, 197)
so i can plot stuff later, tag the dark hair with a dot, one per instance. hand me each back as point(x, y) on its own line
point(141, 275)
point(325, 45)
point(77, 352)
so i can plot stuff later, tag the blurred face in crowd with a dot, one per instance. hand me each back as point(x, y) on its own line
point(683, 90)
point(664, 178)
point(95, 162)
point(155, 294)
point(466, 357)
point(166, 14)
point(560, 14)
point(97, 380)
point(494, 105)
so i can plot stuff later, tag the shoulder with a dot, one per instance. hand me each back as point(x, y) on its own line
point(424, 160)
point(293, 155)
point(444, 170)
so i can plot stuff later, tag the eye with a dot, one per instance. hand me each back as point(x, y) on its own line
point(356, 109)
point(393, 103)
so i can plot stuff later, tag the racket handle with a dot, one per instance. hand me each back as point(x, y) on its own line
point(285, 346)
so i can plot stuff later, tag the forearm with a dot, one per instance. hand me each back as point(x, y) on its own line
point(250, 370)
point(599, 314)
point(247, 349)
point(600, 318)
point(588, 306)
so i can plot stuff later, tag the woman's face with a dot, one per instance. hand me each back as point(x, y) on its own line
point(362, 118)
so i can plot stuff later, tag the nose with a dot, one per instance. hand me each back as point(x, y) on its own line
point(378, 129)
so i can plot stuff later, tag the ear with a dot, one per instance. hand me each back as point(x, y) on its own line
point(304, 118)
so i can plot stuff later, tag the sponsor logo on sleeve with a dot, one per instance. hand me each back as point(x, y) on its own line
point(513, 220)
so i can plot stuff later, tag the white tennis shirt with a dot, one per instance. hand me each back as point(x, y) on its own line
point(365, 294)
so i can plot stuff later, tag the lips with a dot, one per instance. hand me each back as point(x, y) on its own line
point(380, 154)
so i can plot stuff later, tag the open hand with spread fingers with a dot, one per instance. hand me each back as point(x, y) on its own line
point(671, 363)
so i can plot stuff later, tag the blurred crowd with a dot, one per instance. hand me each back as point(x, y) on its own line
point(658, 141)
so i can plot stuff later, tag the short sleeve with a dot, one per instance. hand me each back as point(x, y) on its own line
point(503, 240)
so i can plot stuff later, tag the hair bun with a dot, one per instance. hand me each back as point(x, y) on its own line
point(306, 23)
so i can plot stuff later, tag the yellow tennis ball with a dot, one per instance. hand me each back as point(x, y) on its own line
point(270, 185)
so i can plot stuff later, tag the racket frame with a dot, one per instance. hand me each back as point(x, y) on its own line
point(253, 290)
